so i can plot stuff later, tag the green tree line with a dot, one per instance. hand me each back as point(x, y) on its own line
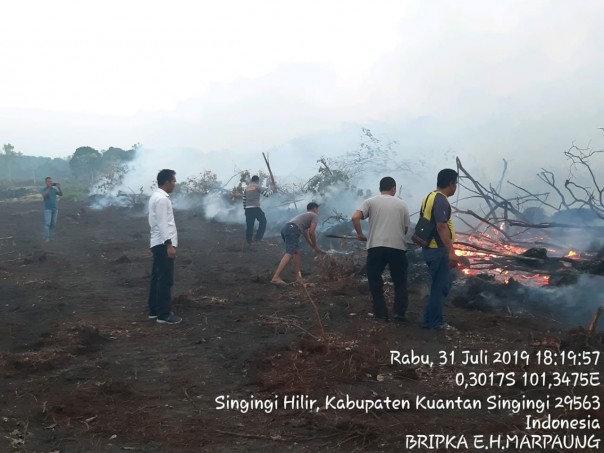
point(85, 164)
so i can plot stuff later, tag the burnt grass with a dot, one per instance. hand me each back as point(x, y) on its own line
point(83, 369)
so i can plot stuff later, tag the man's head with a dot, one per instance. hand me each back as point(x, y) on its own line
point(166, 180)
point(388, 185)
point(48, 181)
point(446, 181)
point(255, 178)
point(312, 206)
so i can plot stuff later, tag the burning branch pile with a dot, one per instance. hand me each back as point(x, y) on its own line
point(509, 240)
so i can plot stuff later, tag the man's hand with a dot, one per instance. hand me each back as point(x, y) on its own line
point(453, 259)
point(171, 250)
point(361, 237)
point(319, 251)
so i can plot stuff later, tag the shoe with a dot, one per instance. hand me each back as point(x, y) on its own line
point(445, 326)
point(382, 318)
point(172, 319)
point(155, 316)
point(400, 318)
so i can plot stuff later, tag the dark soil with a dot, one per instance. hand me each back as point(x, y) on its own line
point(82, 368)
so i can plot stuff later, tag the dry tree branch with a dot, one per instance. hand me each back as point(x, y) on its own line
point(535, 196)
point(479, 187)
point(550, 179)
point(482, 219)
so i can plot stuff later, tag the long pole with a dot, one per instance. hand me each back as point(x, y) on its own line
point(270, 172)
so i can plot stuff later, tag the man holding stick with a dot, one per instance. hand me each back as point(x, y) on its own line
point(253, 212)
point(303, 224)
point(388, 224)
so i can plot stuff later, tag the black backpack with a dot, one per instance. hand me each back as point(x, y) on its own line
point(425, 229)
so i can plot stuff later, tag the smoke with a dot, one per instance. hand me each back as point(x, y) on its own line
point(572, 304)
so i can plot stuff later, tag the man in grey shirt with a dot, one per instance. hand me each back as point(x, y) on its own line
point(251, 205)
point(303, 224)
point(388, 224)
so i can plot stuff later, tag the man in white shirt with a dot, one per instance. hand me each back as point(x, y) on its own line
point(388, 224)
point(164, 240)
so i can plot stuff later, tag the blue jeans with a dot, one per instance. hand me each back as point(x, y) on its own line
point(291, 237)
point(377, 259)
point(50, 222)
point(438, 266)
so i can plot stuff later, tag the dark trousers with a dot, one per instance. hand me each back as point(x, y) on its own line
point(377, 259)
point(438, 266)
point(251, 215)
point(162, 279)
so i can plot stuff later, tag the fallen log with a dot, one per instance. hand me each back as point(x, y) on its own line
point(518, 223)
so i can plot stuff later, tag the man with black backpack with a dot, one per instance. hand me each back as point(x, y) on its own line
point(437, 249)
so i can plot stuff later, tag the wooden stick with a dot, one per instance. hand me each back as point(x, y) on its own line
point(270, 172)
point(316, 312)
point(340, 236)
point(594, 322)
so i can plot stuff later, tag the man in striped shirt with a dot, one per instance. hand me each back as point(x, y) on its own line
point(251, 205)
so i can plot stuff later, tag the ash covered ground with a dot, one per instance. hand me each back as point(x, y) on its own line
point(82, 369)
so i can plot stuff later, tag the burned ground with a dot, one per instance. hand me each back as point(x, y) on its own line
point(82, 369)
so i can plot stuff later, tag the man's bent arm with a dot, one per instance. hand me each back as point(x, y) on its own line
point(356, 223)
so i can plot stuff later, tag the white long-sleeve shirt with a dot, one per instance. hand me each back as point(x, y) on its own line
point(161, 219)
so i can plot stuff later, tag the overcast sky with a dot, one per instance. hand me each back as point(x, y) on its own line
point(481, 79)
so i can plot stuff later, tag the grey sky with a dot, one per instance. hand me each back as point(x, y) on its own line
point(481, 79)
